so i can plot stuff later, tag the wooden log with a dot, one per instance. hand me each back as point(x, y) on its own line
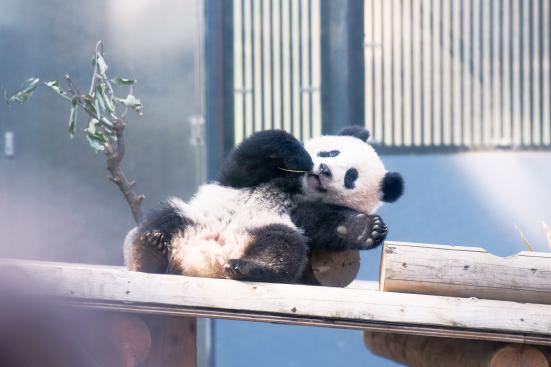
point(331, 268)
point(173, 341)
point(118, 339)
point(115, 288)
point(465, 272)
point(422, 351)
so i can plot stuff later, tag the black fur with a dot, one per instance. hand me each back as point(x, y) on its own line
point(277, 254)
point(330, 154)
point(337, 228)
point(155, 234)
point(355, 131)
point(350, 178)
point(264, 156)
point(392, 187)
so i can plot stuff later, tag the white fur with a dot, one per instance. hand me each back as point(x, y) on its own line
point(354, 153)
point(223, 219)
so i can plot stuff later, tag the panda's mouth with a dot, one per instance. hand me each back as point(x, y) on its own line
point(313, 182)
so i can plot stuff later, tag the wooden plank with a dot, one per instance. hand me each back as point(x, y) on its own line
point(451, 271)
point(112, 288)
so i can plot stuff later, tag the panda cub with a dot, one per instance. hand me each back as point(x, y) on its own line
point(347, 184)
point(251, 225)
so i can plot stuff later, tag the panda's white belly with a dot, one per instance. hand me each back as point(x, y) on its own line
point(222, 220)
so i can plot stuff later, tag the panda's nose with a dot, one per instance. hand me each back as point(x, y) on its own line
point(324, 170)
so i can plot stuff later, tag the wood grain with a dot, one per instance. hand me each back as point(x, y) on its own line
point(465, 272)
point(114, 288)
point(422, 351)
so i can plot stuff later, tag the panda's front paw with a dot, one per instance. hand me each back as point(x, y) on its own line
point(363, 231)
point(156, 239)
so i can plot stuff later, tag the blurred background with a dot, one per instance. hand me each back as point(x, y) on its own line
point(455, 93)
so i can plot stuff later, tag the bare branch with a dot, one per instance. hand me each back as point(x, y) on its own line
point(115, 152)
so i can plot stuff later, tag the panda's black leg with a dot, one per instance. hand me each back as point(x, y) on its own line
point(147, 249)
point(264, 156)
point(337, 228)
point(277, 254)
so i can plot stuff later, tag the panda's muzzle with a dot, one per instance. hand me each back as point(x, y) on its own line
point(314, 183)
point(325, 171)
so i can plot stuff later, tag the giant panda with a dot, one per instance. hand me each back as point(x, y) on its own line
point(251, 224)
point(348, 181)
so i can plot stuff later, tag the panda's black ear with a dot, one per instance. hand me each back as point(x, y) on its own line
point(355, 131)
point(392, 187)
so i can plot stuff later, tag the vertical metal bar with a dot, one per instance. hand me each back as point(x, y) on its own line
point(244, 69)
point(282, 59)
point(310, 67)
point(378, 60)
point(537, 72)
point(260, 29)
point(486, 55)
point(219, 87)
point(407, 73)
point(497, 68)
point(417, 70)
point(238, 62)
point(516, 32)
point(253, 65)
point(267, 61)
point(426, 123)
point(436, 32)
point(291, 71)
point(397, 74)
point(447, 89)
point(342, 64)
point(305, 82)
point(507, 46)
point(272, 59)
point(527, 73)
point(468, 78)
point(300, 71)
point(386, 73)
point(384, 82)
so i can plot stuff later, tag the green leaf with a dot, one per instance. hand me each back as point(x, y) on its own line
point(24, 93)
point(97, 141)
point(54, 85)
point(98, 100)
point(132, 102)
point(73, 117)
point(123, 81)
point(101, 65)
point(92, 126)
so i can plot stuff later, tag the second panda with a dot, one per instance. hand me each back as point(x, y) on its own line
point(259, 220)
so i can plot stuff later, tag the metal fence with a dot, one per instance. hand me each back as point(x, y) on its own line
point(439, 74)
point(458, 73)
point(277, 71)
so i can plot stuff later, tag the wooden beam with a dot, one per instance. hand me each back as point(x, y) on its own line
point(465, 272)
point(114, 288)
point(422, 351)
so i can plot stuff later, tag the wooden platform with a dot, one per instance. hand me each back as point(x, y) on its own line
point(360, 306)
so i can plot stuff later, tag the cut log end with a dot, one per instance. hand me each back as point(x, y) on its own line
point(334, 269)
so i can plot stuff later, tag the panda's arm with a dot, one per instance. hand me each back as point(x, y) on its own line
point(263, 157)
point(337, 228)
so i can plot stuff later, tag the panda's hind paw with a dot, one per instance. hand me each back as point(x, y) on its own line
point(363, 231)
point(156, 239)
point(237, 269)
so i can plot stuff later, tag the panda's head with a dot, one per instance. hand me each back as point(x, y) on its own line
point(347, 171)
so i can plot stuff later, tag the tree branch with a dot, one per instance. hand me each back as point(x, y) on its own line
point(115, 152)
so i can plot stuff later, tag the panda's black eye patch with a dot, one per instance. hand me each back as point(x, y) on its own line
point(330, 154)
point(350, 178)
